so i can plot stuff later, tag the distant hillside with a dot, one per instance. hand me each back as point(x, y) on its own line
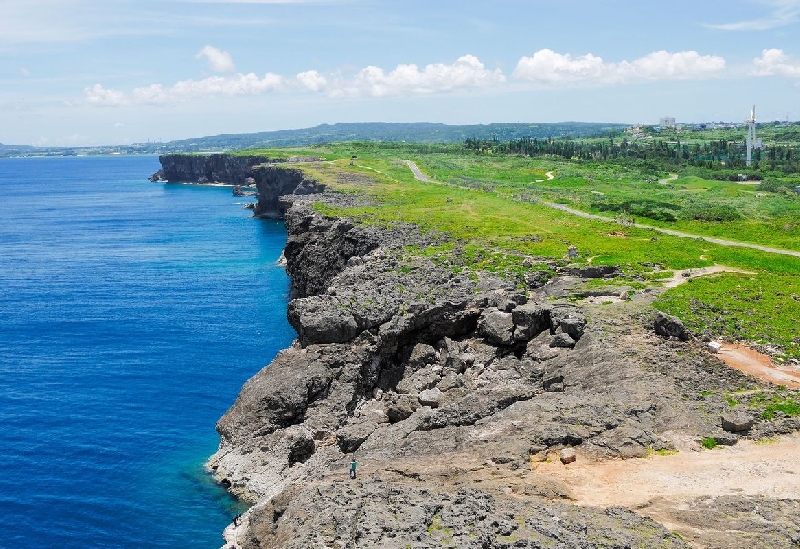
point(421, 132)
point(14, 149)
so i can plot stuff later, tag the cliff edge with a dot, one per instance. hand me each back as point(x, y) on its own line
point(450, 389)
point(213, 168)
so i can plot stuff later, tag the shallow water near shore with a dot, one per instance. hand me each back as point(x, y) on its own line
point(131, 313)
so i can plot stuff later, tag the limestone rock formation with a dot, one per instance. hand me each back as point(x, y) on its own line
point(447, 389)
point(213, 168)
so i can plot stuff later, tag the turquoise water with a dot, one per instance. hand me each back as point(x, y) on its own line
point(131, 313)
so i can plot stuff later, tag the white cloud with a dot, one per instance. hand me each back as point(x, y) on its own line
point(311, 80)
point(683, 65)
point(784, 12)
point(466, 72)
point(549, 67)
point(185, 90)
point(24, 72)
point(218, 61)
point(774, 62)
point(98, 95)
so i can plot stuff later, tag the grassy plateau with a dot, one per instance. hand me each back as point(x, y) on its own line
point(494, 207)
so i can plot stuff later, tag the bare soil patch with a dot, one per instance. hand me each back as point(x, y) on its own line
point(758, 365)
point(665, 487)
point(685, 275)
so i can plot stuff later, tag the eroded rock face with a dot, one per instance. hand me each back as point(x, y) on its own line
point(212, 168)
point(272, 182)
point(377, 514)
point(436, 381)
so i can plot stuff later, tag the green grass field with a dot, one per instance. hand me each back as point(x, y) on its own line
point(490, 206)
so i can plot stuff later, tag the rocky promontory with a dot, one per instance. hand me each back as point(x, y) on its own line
point(213, 168)
point(448, 388)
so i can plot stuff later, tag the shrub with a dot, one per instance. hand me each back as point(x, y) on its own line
point(709, 443)
point(710, 212)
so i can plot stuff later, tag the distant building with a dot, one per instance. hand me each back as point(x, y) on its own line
point(667, 122)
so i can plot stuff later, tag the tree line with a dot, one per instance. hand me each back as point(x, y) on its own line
point(718, 155)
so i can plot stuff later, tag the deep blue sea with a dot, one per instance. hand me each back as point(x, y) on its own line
point(131, 313)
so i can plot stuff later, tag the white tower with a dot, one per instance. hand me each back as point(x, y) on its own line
point(751, 135)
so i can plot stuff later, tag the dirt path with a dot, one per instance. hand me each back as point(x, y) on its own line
point(671, 232)
point(672, 177)
point(680, 277)
point(418, 175)
point(549, 176)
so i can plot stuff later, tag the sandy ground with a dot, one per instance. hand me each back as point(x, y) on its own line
point(664, 487)
point(758, 365)
point(748, 468)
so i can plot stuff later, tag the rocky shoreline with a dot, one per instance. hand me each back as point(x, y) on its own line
point(448, 389)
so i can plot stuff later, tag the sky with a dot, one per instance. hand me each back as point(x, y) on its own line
point(92, 72)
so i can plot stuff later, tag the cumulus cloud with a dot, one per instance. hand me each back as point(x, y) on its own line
point(545, 67)
point(774, 62)
point(465, 72)
point(185, 90)
point(98, 95)
point(311, 81)
point(218, 60)
point(549, 67)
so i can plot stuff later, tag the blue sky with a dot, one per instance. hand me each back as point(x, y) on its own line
point(81, 72)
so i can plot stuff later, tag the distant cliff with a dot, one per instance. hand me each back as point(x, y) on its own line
point(213, 168)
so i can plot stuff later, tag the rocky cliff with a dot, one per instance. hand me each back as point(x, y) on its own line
point(273, 182)
point(213, 168)
point(447, 389)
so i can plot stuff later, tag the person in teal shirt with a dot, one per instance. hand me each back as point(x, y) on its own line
point(353, 465)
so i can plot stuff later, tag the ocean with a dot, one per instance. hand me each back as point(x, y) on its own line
point(131, 313)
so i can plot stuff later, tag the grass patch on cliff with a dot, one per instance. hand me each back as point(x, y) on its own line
point(762, 308)
point(499, 223)
point(721, 209)
point(772, 404)
point(489, 209)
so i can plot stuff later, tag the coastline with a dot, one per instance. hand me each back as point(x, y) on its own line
point(450, 389)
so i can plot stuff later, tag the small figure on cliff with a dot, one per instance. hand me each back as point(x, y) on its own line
point(237, 520)
point(353, 465)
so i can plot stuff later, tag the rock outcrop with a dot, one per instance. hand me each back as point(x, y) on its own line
point(448, 389)
point(272, 182)
point(213, 168)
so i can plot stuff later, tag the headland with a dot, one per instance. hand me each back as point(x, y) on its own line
point(474, 403)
